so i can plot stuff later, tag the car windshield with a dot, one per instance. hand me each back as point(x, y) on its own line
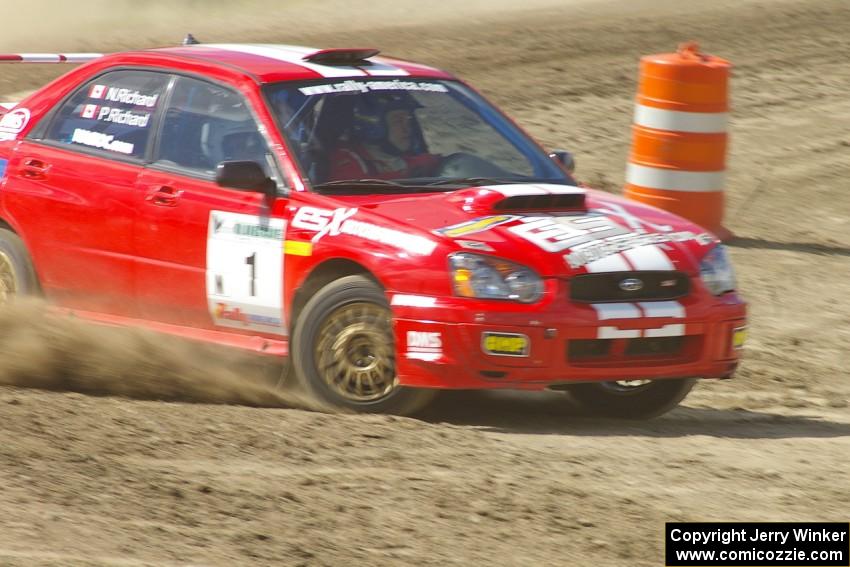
point(390, 135)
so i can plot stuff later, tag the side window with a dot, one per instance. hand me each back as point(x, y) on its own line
point(206, 124)
point(113, 113)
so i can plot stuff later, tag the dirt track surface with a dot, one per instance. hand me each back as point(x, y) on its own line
point(483, 479)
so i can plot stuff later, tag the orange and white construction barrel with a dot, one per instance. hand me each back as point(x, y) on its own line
point(678, 156)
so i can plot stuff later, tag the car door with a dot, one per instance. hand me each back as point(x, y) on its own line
point(73, 189)
point(209, 256)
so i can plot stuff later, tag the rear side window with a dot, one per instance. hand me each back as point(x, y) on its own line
point(112, 113)
point(206, 124)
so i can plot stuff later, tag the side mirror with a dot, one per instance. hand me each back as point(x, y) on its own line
point(565, 159)
point(245, 175)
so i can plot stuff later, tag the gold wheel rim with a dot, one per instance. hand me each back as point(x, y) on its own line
point(355, 352)
point(8, 281)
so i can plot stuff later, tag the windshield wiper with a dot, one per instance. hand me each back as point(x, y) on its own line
point(345, 185)
point(377, 186)
point(473, 181)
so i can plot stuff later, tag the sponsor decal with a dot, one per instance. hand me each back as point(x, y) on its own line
point(13, 123)
point(224, 312)
point(413, 300)
point(244, 271)
point(557, 234)
point(424, 345)
point(633, 221)
point(322, 221)
point(3, 164)
point(586, 238)
point(424, 341)
point(474, 245)
point(474, 226)
point(505, 344)
point(371, 86)
point(297, 248)
point(739, 337)
point(613, 245)
point(258, 231)
point(596, 236)
point(102, 141)
point(326, 222)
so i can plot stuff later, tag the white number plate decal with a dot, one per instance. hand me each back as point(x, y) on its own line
point(245, 271)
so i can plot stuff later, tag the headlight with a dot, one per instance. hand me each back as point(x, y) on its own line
point(716, 271)
point(486, 277)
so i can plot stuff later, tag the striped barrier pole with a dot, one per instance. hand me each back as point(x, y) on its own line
point(48, 57)
point(678, 156)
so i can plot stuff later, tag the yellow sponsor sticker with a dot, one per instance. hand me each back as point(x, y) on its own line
point(296, 248)
point(477, 225)
point(739, 337)
point(505, 344)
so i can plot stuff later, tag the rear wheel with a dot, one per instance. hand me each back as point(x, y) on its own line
point(632, 399)
point(17, 276)
point(343, 350)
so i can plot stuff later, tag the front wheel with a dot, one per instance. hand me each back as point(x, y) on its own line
point(17, 276)
point(632, 399)
point(343, 350)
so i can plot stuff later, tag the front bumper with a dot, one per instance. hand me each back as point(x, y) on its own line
point(444, 342)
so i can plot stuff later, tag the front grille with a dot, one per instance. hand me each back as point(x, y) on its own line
point(642, 351)
point(602, 287)
point(654, 346)
point(580, 349)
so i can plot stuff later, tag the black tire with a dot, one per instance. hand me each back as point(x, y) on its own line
point(645, 401)
point(343, 337)
point(17, 275)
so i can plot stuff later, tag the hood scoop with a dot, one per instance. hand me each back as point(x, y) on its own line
point(536, 197)
point(527, 203)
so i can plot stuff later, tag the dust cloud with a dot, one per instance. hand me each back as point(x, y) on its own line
point(44, 350)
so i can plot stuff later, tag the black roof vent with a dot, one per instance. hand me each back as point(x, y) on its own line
point(342, 56)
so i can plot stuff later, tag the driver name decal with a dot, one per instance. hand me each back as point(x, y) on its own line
point(123, 96)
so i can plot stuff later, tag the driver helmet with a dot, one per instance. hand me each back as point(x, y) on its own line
point(370, 123)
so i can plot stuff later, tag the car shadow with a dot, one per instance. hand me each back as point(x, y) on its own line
point(555, 413)
point(807, 247)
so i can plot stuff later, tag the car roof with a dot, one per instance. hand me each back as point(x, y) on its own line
point(270, 63)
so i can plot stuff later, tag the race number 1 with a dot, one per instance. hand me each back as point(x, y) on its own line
point(245, 271)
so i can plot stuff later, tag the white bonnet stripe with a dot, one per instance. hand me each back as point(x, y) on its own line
point(295, 55)
point(649, 257)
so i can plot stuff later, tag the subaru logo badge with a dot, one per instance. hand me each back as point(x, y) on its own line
point(631, 284)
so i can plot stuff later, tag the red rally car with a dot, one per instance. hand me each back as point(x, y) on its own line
point(374, 220)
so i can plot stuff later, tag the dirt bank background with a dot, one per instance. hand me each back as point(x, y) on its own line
point(506, 479)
